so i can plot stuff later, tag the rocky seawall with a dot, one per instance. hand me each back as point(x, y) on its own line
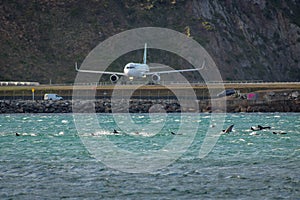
point(145, 106)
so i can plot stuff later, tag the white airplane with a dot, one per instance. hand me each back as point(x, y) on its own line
point(132, 70)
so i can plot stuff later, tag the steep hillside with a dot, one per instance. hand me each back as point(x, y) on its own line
point(254, 40)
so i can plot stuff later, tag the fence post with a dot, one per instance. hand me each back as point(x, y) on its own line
point(32, 90)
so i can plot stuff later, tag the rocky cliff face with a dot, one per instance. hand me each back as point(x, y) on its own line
point(253, 40)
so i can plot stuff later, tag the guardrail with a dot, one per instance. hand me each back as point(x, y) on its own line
point(200, 83)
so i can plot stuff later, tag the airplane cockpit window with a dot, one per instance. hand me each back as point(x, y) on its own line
point(130, 67)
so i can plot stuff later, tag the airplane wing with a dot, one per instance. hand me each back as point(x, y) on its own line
point(154, 66)
point(98, 72)
point(174, 71)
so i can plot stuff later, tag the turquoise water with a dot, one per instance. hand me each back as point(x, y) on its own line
point(49, 160)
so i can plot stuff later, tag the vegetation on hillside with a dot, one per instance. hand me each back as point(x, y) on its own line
point(40, 40)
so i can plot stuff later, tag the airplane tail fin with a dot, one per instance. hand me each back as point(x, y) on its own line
point(145, 54)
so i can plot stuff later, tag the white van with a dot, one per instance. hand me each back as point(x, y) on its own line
point(52, 97)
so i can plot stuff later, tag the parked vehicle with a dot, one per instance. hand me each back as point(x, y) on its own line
point(52, 97)
point(227, 92)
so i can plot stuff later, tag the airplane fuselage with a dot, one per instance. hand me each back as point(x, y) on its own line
point(136, 69)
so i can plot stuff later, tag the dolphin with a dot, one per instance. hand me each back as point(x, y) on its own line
point(175, 133)
point(115, 131)
point(229, 129)
point(259, 128)
point(263, 127)
point(282, 133)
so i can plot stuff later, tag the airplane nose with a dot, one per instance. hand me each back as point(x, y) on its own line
point(129, 72)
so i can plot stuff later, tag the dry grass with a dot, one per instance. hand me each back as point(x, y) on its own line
point(246, 87)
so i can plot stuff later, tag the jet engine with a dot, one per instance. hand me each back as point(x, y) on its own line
point(114, 78)
point(155, 78)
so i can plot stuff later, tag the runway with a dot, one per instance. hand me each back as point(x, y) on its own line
point(149, 91)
